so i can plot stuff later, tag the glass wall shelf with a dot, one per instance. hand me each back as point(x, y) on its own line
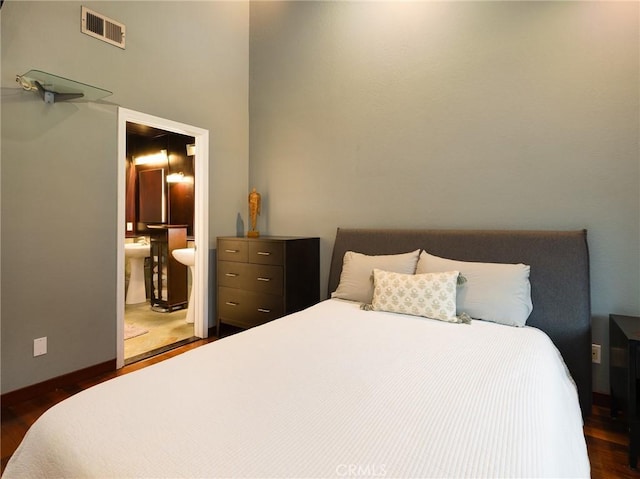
point(53, 88)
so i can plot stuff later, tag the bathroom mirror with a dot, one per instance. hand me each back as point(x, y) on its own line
point(160, 190)
point(151, 196)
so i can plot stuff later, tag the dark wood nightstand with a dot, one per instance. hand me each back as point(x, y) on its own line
point(624, 343)
point(261, 279)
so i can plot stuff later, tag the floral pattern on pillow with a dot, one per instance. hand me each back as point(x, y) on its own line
point(432, 295)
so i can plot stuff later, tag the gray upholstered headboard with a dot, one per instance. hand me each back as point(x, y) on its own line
point(559, 277)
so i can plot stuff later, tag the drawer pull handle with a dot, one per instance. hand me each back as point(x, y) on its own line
point(231, 303)
point(231, 275)
point(231, 251)
point(264, 253)
point(262, 310)
point(264, 279)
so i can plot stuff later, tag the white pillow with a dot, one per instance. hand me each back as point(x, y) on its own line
point(356, 281)
point(493, 291)
point(432, 295)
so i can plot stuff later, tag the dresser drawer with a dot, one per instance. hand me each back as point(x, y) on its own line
point(247, 308)
point(260, 278)
point(266, 252)
point(233, 250)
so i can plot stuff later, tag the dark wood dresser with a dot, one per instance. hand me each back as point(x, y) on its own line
point(265, 278)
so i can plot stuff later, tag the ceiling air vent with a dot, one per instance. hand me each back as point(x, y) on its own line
point(102, 28)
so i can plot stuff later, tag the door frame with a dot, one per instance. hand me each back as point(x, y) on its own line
point(200, 279)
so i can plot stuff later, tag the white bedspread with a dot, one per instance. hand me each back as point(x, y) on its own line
point(332, 391)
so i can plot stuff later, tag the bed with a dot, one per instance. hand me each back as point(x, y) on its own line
point(349, 389)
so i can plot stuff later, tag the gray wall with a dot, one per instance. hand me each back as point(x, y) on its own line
point(425, 114)
point(185, 61)
point(453, 115)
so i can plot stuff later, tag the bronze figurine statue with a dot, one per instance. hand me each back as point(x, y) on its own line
point(254, 210)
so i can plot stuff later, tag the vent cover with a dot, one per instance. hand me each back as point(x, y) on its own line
point(102, 28)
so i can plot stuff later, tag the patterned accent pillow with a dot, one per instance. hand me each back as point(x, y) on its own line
point(432, 295)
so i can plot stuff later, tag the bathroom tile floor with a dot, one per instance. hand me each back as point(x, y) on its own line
point(166, 330)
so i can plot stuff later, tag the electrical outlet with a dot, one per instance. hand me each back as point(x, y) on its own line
point(39, 346)
point(596, 350)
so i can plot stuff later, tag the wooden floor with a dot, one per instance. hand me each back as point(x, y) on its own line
point(607, 443)
point(606, 438)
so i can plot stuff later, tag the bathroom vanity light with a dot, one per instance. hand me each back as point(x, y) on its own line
point(191, 149)
point(154, 158)
point(175, 178)
point(179, 178)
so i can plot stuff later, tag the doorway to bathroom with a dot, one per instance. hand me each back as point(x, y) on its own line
point(163, 235)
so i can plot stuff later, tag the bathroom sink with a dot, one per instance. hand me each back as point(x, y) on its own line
point(136, 250)
point(136, 253)
point(186, 256)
